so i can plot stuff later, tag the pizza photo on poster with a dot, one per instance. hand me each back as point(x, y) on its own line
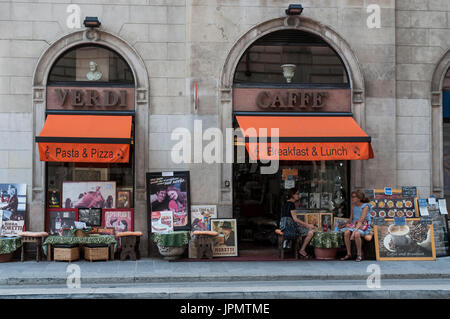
point(169, 191)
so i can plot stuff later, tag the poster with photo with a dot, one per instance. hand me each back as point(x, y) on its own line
point(326, 219)
point(314, 200)
point(89, 195)
point(313, 219)
point(170, 191)
point(201, 217)
point(325, 199)
point(59, 219)
point(162, 222)
point(90, 216)
point(121, 220)
point(412, 240)
point(227, 238)
point(13, 201)
point(304, 200)
point(12, 227)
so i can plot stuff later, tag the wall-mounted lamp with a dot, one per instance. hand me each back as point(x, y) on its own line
point(91, 22)
point(227, 184)
point(294, 9)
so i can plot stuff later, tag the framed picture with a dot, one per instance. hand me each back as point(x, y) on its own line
point(313, 219)
point(304, 200)
point(201, 216)
point(89, 194)
point(120, 220)
point(339, 222)
point(123, 199)
point(170, 191)
point(162, 222)
point(325, 200)
point(13, 201)
point(412, 240)
point(301, 214)
point(54, 199)
point(90, 216)
point(59, 219)
point(86, 174)
point(314, 200)
point(227, 245)
point(326, 219)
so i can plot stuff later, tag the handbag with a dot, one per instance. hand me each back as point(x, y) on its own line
point(365, 225)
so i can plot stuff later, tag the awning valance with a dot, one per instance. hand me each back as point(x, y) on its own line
point(85, 138)
point(304, 138)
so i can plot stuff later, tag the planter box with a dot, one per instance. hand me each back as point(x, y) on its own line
point(325, 253)
point(97, 253)
point(66, 254)
point(4, 258)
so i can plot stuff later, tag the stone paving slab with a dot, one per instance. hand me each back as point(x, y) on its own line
point(242, 290)
point(157, 270)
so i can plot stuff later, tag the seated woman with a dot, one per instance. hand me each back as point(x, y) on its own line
point(291, 226)
point(360, 224)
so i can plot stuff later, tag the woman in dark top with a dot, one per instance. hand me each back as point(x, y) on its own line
point(291, 226)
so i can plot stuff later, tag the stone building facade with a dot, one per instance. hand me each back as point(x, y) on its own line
point(396, 73)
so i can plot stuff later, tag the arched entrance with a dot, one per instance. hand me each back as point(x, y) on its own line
point(235, 68)
point(94, 38)
point(440, 90)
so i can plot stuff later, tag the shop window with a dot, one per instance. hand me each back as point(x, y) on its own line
point(91, 64)
point(316, 62)
point(93, 69)
point(446, 143)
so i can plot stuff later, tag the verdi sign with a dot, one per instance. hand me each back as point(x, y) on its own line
point(90, 98)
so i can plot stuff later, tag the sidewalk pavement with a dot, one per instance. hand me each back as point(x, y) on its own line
point(152, 270)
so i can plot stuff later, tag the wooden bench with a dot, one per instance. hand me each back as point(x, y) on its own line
point(129, 245)
point(295, 245)
point(204, 242)
point(32, 237)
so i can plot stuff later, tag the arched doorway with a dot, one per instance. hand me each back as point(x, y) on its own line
point(323, 60)
point(63, 64)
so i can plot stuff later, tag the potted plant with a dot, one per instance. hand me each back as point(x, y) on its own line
point(326, 244)
point(171, 245)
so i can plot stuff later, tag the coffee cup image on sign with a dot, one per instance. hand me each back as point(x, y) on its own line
point(399, 234)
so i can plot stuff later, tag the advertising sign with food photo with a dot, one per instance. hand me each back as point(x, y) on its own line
point(162, 222)
point(410, 240)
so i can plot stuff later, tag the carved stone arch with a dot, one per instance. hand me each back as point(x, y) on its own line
point(141, 78)
point(437, 162)
point(341, 47)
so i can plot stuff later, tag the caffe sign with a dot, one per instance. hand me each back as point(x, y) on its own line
point(291, 100)
point(90, 98)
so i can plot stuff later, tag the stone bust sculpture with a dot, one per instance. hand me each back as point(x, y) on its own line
point(93, 74)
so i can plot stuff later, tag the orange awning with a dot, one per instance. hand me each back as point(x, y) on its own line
point(304, 138)
point(85, 138)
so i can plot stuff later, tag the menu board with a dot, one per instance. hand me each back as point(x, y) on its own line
point(395, 205)
point(409, 191)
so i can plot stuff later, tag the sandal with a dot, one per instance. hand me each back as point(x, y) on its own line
point(304, 256)
point(347, 257)
point(358, 258)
